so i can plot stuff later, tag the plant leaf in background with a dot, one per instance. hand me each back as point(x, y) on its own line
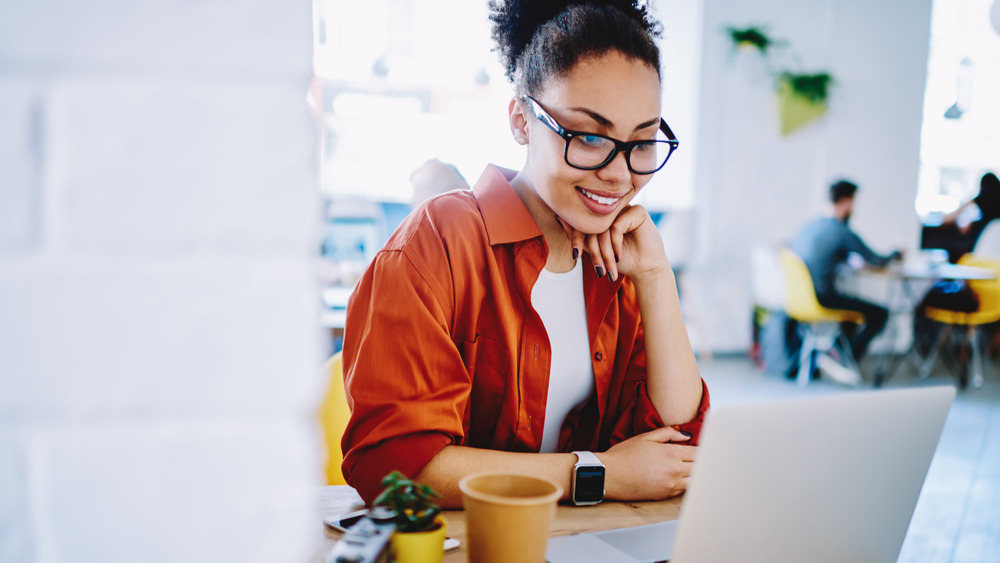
point(755, 37)
point(813, 87)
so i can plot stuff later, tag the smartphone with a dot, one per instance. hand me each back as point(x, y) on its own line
point(344, 521)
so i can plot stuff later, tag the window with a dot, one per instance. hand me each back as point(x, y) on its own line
point(404, 81)
point(960, 137)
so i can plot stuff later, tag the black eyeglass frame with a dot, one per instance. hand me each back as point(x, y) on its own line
point(620, 146)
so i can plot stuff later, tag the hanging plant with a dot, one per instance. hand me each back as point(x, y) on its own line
point(753, 37)
point(813, 87)
point(802, 98)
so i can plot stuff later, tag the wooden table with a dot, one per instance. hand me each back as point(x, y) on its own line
point(569, 519)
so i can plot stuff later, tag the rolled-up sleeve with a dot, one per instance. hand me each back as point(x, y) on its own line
point(642, 416)
point(406, 383)
point(637, 413)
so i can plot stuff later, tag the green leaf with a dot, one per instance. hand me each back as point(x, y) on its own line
point(411, 502)
point(813, 87)
point(753, 35)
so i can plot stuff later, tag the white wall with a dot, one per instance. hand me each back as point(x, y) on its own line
point(672, 188)
point(755, 187)
point(157, 214)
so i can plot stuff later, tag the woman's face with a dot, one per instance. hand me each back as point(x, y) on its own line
point(612, 96)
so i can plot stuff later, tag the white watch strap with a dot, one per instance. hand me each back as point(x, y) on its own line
point(587, 458)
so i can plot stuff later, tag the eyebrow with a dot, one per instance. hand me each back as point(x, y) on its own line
point(605, 122)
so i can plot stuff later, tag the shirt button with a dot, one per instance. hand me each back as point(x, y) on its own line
point(598, 356)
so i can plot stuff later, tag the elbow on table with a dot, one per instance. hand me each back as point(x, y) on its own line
point(365, 466)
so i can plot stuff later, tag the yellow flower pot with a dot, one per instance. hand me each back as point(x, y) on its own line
point(420, 547)
point(795, 110)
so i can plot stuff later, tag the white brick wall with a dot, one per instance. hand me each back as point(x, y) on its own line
point(158, 315)
point(243, 40)
point(19, 118)
point(215, 164)
point(17, 542)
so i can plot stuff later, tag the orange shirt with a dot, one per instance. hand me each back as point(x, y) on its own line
point(442, 345)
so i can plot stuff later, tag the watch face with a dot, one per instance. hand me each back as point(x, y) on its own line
point(589, 484)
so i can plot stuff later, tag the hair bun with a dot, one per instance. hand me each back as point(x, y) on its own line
point(515, 22)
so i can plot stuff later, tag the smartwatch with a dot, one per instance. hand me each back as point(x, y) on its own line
point(588, 479)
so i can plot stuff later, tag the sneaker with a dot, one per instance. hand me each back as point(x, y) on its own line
point(837, 372)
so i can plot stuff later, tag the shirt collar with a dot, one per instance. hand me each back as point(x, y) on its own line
point(506, 218)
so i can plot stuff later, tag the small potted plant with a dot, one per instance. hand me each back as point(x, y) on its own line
point(802, 98)
point(420, 529)
point(752, 37)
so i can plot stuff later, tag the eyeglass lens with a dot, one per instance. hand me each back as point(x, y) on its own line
point(588, 151)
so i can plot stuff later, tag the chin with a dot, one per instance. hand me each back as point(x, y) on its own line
point(593, 225)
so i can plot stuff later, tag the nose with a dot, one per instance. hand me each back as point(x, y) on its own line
point(615, 171)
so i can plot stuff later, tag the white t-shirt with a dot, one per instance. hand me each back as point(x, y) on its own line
point(558, 299)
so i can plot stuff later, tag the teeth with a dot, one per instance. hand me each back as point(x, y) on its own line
point(600, 199)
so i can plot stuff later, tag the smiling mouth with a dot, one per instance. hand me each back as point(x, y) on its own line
point(600, 199)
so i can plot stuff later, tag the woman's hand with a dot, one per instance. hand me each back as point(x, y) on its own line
point(650, 466)
point(632, 246)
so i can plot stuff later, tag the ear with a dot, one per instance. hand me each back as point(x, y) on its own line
point(518, 122)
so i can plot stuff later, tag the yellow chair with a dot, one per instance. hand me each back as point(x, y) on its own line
point(988, 294)
point(333, 416)
point(821, 329)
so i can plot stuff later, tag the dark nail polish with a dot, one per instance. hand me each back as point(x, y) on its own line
point(576, 253)
point(616, 258)
point(610, 279)
point(600, 271)
point(688, 434)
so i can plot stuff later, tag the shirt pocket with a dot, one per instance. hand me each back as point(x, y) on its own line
point(486, 361)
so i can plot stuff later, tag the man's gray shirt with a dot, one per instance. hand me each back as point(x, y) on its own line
point(824, 244)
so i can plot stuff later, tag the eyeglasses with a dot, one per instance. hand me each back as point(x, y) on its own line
point(590, 151)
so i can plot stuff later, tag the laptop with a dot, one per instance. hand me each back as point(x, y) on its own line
point(820, 478)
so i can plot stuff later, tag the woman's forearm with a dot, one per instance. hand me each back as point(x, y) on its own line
point(672, 373)
point(651, 466)
point(452, 463)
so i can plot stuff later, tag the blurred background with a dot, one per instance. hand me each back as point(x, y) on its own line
point(389, 75)
point(189, 190)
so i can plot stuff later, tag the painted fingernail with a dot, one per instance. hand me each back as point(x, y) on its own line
point(610, 277)
point(688, 434)
point(616, 257)
point(600, 271)
point(576, 253)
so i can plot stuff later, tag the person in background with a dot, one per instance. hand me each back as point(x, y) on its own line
point(824, 245)
point(431, 178)
point(988, 202)
point(958, 232)
point(956, 295)
point(532, 324)
point(435, 177)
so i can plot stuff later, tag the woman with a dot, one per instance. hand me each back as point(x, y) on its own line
point(537, 315)
point(988, 202)
point(951, 294)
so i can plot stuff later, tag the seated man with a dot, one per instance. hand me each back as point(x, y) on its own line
point(823, 245)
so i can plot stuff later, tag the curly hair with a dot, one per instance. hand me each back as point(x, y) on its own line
point(539, 39)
